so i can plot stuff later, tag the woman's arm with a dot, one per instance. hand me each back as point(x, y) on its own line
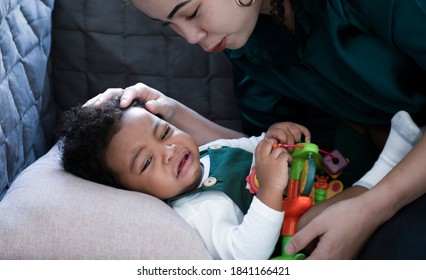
point(344, 227)
point(174, 112)
point(405, 183)
point(202, 129)
point(318, 208)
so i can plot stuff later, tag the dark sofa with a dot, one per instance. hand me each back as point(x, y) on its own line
point(55, 55)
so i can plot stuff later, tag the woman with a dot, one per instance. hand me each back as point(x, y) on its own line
point(359, 61)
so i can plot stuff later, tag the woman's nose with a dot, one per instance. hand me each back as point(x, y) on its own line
point(192, 33)
point(168, 153)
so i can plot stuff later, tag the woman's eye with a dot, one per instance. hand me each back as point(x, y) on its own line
point(193, 15)
point(166, 131)
point(147, 163)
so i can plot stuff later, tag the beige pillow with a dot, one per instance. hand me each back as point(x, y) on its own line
point(50, 214)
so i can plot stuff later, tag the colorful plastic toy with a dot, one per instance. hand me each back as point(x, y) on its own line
point(303, 190)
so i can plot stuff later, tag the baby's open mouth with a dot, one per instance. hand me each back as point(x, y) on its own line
point(182, 163)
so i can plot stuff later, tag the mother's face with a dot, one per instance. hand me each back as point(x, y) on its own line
point(214, 25)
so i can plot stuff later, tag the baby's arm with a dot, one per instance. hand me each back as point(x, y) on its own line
point(272, 173)
point(272, 163)
point(226, 232)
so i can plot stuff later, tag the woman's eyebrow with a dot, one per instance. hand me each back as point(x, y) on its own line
point(175, 9)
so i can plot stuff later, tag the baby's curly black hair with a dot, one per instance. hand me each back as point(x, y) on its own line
point(84, 134)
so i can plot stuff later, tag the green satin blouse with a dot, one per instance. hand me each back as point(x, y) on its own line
point(359, 60)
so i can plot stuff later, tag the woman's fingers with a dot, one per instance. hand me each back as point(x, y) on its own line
point(103, 97)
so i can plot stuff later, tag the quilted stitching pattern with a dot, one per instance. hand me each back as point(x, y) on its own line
point(96, 44)
point(25, 27)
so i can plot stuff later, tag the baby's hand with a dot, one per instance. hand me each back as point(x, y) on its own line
point(272, 172)
point(288, 133)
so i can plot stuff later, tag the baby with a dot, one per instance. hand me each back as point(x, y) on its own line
point(205, 183)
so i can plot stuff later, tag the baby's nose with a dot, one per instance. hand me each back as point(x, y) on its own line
point(169, 152)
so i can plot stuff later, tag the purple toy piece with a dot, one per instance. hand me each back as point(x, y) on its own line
point(335, 163)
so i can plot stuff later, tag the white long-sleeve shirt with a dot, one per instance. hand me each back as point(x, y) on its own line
point(225, 230)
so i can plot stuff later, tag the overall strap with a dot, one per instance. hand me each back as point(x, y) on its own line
point(229, 168)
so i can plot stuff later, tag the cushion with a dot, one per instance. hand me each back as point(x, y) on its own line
point(50, 214)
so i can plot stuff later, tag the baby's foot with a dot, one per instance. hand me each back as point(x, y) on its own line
point(403, 136)
point(404, 126)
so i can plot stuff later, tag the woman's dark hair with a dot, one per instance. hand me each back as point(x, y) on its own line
point(84, 134)
point(278, 10)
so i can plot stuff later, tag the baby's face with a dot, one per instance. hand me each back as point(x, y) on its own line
point(151, 156)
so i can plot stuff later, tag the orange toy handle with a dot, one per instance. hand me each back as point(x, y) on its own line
point(294, 209)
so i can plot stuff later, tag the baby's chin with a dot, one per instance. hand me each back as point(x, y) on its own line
point(197, 181)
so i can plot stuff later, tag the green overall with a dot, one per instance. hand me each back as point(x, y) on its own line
point(229, 168)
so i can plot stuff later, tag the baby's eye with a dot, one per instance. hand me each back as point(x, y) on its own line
point(166, 131)
point(147, 163)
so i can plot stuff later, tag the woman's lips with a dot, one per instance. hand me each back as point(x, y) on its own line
point(219, 47)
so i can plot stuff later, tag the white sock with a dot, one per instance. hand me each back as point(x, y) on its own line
point(403, 136)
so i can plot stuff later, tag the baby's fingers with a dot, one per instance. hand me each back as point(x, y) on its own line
point(295, 133)
point(305, 132)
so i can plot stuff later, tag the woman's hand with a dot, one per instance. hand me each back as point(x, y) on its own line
point(202, 129)
point(327, 226)
point(272, 173)
point(342, 229)
point(155, 101)
point(288, 133)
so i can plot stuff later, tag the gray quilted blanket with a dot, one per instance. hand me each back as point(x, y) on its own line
point(93, 45)
point(25, 116)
